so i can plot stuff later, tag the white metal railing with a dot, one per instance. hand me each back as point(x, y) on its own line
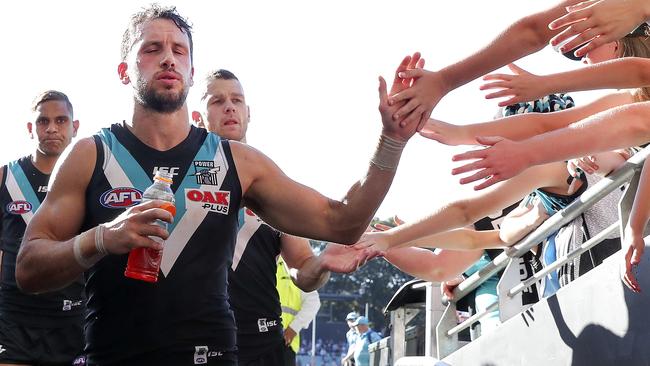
point(447, 330)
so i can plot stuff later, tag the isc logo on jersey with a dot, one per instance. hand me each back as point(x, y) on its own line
point(19, 207)
point(121, 197)
point(213, 201)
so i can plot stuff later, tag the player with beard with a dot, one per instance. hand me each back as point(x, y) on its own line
point(83, 225)
point(43, 328)
point(252, 277)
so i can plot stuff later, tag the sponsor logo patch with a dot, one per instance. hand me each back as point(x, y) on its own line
point(121, 197)
point(173, 171)
point(206, 173)
point(213, 201)
point(19, 207)
point(202, 353)
point(263, 324)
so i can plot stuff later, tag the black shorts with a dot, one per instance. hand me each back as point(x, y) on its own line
point(40, 346)
point(274, 356)
point(186, 356)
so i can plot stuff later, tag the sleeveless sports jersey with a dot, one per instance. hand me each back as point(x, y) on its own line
point(252, 287)
point(22, 190)
point(187, 309)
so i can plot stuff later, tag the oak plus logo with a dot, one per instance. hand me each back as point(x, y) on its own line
point(206, 173)
point(19, 207)
point(121, 197)
point(213, 201)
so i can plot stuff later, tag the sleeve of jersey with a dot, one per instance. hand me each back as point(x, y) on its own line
point(308, 310)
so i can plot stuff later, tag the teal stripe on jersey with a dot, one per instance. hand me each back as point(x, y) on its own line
point(24, 185)
point(208, 151)
point(240, 218)
point(139, 178)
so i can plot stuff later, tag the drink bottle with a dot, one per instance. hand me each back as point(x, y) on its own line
point(144, 263)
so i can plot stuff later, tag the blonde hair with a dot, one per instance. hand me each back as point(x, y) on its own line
point(636, 46)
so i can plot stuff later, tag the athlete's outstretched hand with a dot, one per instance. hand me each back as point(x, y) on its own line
point(392, 127)
point(133, 227)
point(521, 86)
point(599, 22)
point(633, 247)
point(501, 160)
point(344, 258)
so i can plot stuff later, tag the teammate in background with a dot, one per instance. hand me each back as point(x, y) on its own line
point(252, 277)
point(185, 317)
point(298, 310)
point(44, 328)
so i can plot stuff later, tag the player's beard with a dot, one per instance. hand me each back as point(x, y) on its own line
point(166, 102)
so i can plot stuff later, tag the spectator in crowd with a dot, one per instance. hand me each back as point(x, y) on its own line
point(351, 337)
point(365, 337)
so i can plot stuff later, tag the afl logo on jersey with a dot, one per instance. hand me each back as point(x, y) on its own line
point(213, 201)
point(19, 207)
point(121, 197)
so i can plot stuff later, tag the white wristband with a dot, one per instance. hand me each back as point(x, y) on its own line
point(387, 153)
point(84, 262)
point(99, 240)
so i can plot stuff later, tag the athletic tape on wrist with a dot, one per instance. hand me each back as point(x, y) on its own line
point(99, 240)
point(388, 153)
point(76, 249)
point(84, 262)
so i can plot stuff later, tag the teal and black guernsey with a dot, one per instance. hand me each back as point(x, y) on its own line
point(252, 287)
point(187, 309)
point(22, 190)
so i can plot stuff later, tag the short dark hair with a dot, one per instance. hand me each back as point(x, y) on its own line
point(154, 11)
point(221, 74)
point(52, 95)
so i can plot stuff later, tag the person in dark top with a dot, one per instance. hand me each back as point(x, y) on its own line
point(44, 328)
point(92, 216)
point(252, 281)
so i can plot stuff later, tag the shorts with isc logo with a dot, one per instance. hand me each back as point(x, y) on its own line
point(51, 346)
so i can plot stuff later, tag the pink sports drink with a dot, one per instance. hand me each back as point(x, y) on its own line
point(144, 263)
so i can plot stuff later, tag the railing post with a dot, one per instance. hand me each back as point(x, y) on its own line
point(398, 333)
point(512, 276)
point(434, 312)
point(446, 345)
point(625, 204)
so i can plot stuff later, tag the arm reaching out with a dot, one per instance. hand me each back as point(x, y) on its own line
point(520, 126)
point(459, 239)
point(530, 34)
point(300, 210)
point(627, 72)
point(438, 266)
point(623, 126)
point(598, 22)
point(633, 243)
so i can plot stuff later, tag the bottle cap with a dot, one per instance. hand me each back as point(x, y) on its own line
point(163, 176)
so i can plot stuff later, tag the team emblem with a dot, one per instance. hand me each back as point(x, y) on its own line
point(206, 173)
